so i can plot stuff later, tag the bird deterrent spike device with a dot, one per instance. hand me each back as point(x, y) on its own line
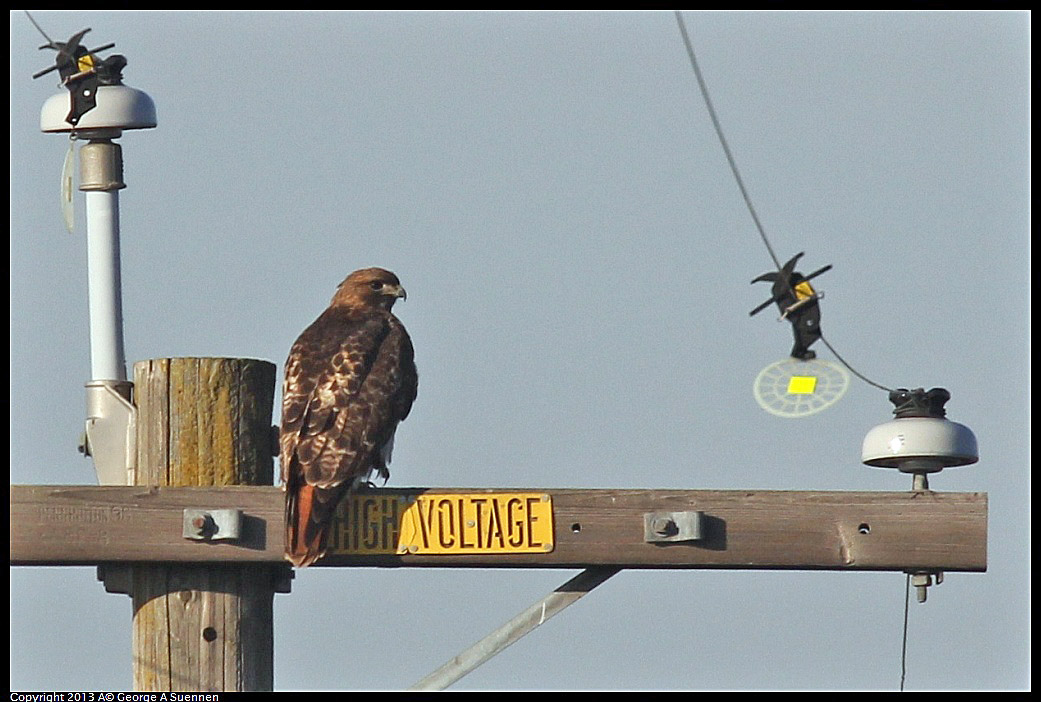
point(798, 303)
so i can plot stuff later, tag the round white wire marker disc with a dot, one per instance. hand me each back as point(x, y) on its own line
point(794, 388)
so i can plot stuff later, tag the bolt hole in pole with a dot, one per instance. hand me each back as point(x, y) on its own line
point(209, 634)
point(864, 528)
point(575, 528)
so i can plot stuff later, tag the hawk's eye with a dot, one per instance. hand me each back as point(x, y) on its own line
point(375, 285)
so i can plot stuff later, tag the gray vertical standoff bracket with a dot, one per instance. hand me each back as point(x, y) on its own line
point(110, 436)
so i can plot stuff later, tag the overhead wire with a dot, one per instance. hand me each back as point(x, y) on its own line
point(853, 370)
point(722, 138)
point(903, 647)
point(38, 27)
point(740, 181)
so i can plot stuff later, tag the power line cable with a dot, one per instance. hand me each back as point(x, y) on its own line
point(903, 648)
point(851, 368)
point(740, 182)
point(722, 139)
point(38, 27)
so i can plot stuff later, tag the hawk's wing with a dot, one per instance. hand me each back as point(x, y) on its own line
point(348, 383)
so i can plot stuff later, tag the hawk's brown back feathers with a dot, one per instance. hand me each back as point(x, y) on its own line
point(350, 378)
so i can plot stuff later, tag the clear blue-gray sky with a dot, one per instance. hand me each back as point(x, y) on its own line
point(577, 255)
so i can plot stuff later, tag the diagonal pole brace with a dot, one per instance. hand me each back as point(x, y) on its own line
point(525, 622)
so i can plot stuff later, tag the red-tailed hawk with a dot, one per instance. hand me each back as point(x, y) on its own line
point(350, 378)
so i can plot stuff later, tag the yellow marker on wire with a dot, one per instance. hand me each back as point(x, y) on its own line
point(802, 385)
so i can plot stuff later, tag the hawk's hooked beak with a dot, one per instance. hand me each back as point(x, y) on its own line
point(398, 291)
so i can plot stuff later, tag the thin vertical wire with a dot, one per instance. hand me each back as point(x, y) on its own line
point(903, 650)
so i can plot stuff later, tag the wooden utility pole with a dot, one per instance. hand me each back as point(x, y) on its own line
point(202, 627)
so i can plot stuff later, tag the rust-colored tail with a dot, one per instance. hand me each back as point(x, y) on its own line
point(306, 531)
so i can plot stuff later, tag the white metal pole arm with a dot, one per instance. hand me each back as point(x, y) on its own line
point(528, 620)
point(110, 414)
point(107, 360)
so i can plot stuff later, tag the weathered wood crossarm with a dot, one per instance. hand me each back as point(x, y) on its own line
point(744, 529)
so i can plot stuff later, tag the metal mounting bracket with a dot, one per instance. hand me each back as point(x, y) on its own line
point(212, 524)
point(669, 527)
point(923, 580)
point(110, 436)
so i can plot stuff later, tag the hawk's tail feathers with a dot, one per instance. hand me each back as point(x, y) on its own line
point(305, 540)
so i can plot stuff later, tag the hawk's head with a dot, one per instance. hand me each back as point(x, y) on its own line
point(369, 287)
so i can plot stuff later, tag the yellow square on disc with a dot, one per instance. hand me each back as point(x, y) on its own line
point(802, 385)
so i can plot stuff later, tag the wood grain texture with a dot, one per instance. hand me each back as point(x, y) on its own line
point(796, 530)
point(204, 421)
point(197, 627)
point(210, 630)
